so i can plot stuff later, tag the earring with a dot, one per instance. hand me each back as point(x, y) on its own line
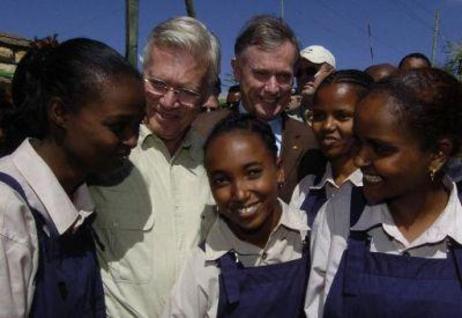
point(280, 185)
point(432, 174)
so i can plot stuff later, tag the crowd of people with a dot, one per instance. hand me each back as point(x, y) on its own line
point(316, 192)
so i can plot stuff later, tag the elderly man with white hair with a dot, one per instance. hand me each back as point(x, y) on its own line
point(152, 214)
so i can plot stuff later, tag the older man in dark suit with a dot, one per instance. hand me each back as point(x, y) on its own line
point(266, 53)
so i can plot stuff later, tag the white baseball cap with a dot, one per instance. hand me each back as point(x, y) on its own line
point(318, 54)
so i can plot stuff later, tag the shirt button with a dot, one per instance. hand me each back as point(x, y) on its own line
point(264, 255)
point(406, 253)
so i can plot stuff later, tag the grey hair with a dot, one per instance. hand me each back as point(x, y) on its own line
point(265, 31)
point(192, 36)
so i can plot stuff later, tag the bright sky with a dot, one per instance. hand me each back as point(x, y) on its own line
point(398, 26)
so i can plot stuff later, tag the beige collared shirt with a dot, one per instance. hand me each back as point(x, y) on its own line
point(149, 222)
point(327, 182)
point(196, 292)
point(18, 234)
point(330, 234)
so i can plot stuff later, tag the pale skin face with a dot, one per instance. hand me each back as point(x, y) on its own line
point(165, 115)
point(265, 78)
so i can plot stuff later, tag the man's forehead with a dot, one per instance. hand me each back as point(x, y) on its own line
point(256, 56)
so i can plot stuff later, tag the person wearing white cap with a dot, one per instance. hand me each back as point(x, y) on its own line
point(316, 63)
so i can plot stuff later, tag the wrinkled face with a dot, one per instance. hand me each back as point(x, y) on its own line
point(166, 115)
point(265, 79)
point(244, 176)
point(394, 166)
point(99, 137)
point(310, 75)
point(414, 63)
point(332, 119)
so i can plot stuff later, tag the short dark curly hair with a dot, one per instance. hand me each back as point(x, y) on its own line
point(360, 79)
point(415, 55)
point(73, 71)
point(246, 123)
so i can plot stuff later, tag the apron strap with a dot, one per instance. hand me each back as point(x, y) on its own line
point(313, 202)
point(14, 184)
point(357, 204)
point(39, 219)
point(230, 276)
point(456, 250)
point(358, 244)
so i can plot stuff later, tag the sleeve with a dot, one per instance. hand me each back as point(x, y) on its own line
point(319, 248)
point(18, 256)
point(190, 294)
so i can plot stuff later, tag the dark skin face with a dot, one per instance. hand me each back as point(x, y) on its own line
point(332, 124)
point(395, 168)
point(99, 136)
point(244, 176)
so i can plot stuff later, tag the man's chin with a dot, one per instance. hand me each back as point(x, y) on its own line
point(270, 114)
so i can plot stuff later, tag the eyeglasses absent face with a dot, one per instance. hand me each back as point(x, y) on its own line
point(265, 78)
point(310, 75)
point(159, 88)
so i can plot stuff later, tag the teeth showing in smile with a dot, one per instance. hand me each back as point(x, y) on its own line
point(269, 100)
point(371, 178)
point(247, 210)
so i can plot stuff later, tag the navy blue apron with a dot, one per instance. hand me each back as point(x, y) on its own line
point(371, 284)
point(68, 281)
point(276, 290)
point(314, 201)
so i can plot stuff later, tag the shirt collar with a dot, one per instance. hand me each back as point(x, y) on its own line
point(448, 223)
point(275, 124)
point(63, 211)
point(192, 143)
point(222, 240)
point(356, 178)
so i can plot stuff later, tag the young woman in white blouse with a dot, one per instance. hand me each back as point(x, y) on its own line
point(255, 259)
point(331, 119)
point(394, 249)
point(77, 107)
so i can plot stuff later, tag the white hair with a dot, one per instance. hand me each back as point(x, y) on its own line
point(192, 36)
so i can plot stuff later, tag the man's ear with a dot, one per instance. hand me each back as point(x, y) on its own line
point(57, 112)
point(236, 69)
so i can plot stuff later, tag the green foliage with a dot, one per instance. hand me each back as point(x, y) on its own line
point(454, 58)
point(6, 74)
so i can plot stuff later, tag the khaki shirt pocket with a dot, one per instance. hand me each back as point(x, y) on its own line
point(124, 223)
